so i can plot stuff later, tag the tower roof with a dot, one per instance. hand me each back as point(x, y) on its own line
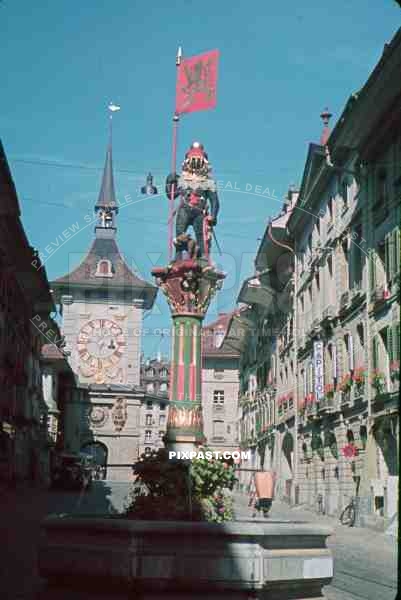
point(103, 269)
point(117, 275)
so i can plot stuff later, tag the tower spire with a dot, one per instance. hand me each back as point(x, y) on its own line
point(106, 206)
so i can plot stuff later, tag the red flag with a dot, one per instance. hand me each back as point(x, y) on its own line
point(197, 83)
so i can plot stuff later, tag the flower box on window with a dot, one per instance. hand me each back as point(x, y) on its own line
point(379, 381)
point(346, 383)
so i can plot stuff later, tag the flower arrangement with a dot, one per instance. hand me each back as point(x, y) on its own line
point(176, 491)
point(378, 381)
point(346, 383)
point(395, 370)
point(329, 391)
point(301, 405)
point(349, 450)
point(218, 508)
point(358, 376)
point(310, 399)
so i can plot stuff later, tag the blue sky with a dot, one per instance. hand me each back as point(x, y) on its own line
point(281, 63)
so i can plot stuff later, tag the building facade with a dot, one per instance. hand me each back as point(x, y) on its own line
point(25, 302)
point(101, 302)
point(220, 386)
point(155, 375)
point(334, 355)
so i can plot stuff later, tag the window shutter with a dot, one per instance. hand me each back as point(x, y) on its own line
point(375, 355)
point(396, 341)
point(396, 250)
point(390, 349)
point(372, 270)
point(388, 256)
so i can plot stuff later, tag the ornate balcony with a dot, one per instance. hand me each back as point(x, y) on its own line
point(326, 405)
point(380, 296)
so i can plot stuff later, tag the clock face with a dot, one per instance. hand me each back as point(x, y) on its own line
point(100, 346)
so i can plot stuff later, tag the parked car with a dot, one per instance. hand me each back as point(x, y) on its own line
point(72, 471)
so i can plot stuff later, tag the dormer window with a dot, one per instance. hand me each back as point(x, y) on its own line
point(104, 268)
point(218, 337)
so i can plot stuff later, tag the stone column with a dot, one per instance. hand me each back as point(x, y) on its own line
point(189, 286)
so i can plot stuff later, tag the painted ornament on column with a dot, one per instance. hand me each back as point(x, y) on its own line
point(119, 413)
point(185, 417)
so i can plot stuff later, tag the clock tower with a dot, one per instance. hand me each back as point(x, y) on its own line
point(102, 302)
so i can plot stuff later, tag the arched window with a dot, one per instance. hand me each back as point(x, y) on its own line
point(99, 453)
point(104, 268)
point(218, 337)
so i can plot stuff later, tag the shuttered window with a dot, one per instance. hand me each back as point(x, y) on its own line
point(389, 255)
point(396, 250)
point(372, 270)
point(389, 342)
point(375, 353)
point(396, 342)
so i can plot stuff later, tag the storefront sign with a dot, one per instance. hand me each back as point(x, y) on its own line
point(319, 370)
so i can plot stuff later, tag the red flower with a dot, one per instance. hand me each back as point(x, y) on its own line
point(311, 398)
point(359, 375)
point(349, 451)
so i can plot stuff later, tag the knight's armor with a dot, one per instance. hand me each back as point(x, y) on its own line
point(198, 194)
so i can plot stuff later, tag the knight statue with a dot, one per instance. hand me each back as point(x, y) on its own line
point(199, 203)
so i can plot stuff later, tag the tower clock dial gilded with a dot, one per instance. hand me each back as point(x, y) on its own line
point(100, 345)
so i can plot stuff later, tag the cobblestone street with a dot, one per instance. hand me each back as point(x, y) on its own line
point(365, 561)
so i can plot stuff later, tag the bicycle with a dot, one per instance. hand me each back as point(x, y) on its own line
point(348, 515)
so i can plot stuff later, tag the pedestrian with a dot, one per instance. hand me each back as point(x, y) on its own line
point(263, 492)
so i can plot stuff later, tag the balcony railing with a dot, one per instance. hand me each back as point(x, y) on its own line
point(327, 404)
point(380, 295)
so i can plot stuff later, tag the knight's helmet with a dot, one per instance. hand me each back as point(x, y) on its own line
point(196, 160)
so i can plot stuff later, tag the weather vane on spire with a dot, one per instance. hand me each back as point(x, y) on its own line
point(113, 108)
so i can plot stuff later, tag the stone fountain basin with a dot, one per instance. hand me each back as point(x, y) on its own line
point(275, 559)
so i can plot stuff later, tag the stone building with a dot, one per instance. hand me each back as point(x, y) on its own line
point(25, 302)
point(334, 361)
point(155, 382)
point(219, 386)
point(102, 302)
point(57, 379)
point(253, 330)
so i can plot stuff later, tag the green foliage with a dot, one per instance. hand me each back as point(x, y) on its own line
point(177, 490)
point(317, 445)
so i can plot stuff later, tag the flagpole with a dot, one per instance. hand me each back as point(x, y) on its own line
point(176, 120)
